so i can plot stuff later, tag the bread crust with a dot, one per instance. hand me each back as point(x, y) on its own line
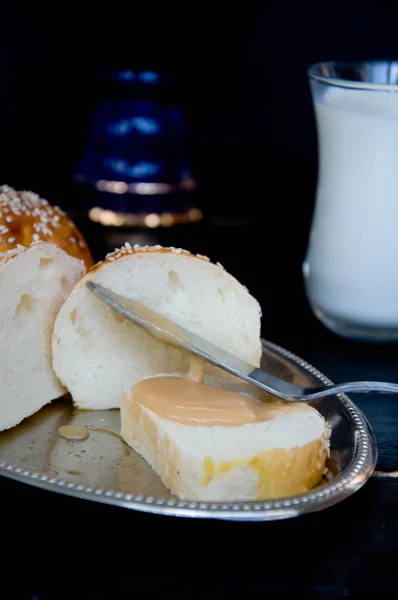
point(128, 249)
point(26, 218)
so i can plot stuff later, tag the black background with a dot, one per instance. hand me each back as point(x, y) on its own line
point(245, 93)
point(243, 85)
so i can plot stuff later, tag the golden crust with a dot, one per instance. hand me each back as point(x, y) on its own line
point(26, 218)
point(280, 472)
point(128, 250)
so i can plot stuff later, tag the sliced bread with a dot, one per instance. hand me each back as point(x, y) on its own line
point(33, 284)
point(283, 455)
point(96, 353)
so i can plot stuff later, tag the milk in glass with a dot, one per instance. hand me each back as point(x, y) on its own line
point(351, 268)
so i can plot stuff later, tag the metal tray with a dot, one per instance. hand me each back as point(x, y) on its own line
point(104, 469)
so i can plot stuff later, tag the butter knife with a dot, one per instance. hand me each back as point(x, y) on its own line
point(168, 332)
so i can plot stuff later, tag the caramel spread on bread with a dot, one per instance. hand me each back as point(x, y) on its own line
point(189, 401)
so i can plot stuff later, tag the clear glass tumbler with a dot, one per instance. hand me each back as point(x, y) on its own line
point(351, 266)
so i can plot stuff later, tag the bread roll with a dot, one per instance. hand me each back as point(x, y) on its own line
point(26, 218)
point(282, 456)
point(33, 284)
point(96, 353)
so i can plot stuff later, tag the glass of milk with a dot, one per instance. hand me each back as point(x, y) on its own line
point(351, 266)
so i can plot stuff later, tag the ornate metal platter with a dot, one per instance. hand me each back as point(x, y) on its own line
point(104, 469)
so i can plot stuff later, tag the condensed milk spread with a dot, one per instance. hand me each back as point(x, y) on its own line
point(73, 432)
point(190, 401)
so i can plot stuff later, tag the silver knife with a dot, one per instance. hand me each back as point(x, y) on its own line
point(165, 330)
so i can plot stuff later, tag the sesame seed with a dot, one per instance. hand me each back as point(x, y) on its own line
point(73, 240)
point(30, 204)
point(127, 249)
point(11, 240)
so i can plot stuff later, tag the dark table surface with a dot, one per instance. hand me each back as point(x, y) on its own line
point(56, 546)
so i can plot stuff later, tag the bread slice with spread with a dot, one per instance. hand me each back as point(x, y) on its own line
point(280, 454)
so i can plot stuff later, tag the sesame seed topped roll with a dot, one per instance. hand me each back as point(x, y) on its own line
point(26, 218)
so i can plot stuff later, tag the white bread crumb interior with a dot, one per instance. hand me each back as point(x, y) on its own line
point(33, 284)
point(96, 353)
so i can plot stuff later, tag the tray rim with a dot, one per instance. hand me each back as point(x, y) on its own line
point(358, 472)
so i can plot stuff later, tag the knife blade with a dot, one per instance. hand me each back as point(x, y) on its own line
point(178, 336)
